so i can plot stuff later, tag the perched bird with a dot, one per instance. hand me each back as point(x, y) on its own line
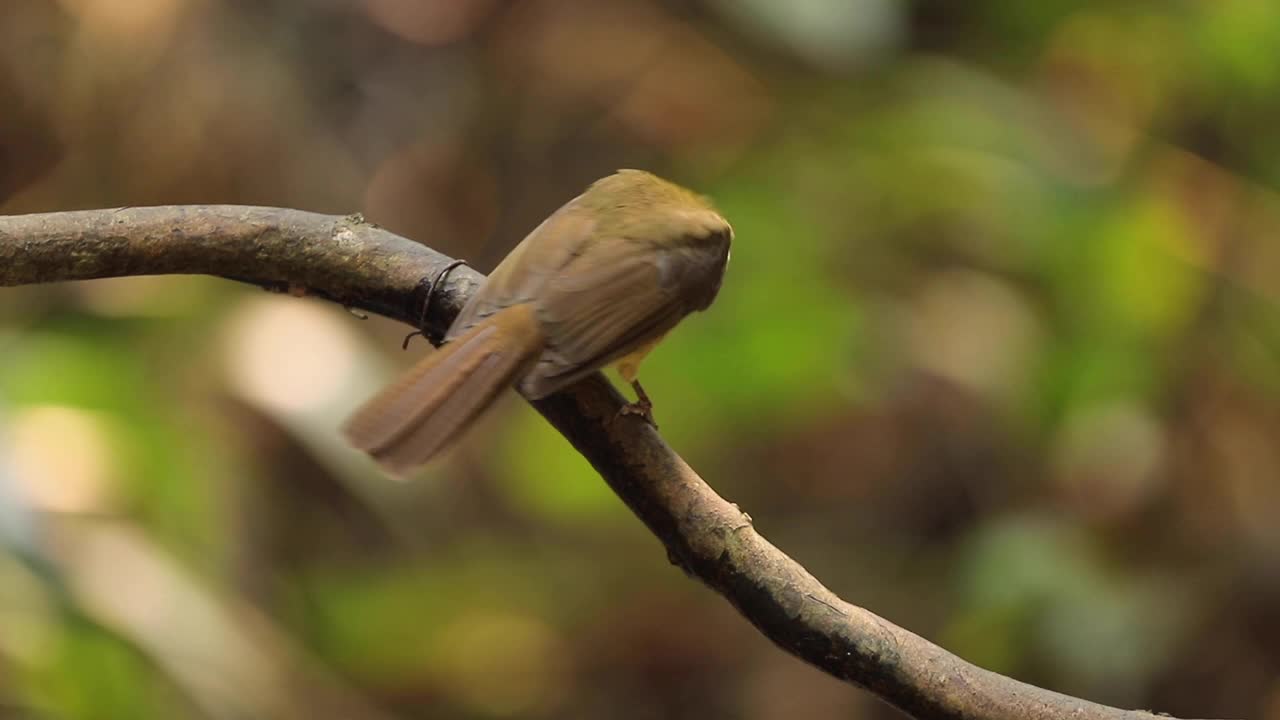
point(600, 282)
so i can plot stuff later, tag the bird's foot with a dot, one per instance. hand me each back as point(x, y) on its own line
point(642, 407)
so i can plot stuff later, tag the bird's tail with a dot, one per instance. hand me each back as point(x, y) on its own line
point(415, 417)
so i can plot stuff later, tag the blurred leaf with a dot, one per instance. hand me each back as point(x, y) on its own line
point(385, 623)
point(1035, 585)
point(545, 477)
point(163, 462)
point(95, 676)
point(1238, 38)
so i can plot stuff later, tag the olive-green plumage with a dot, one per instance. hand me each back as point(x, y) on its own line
point(600, 281)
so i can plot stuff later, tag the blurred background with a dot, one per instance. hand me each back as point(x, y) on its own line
point(997, 357)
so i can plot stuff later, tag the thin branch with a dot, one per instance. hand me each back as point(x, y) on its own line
point(359, 265)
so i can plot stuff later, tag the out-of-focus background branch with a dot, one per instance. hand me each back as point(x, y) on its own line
point(1024, 401)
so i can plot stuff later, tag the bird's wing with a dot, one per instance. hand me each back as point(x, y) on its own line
point(605, 304)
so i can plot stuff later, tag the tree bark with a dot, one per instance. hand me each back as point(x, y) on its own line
point(359, 265)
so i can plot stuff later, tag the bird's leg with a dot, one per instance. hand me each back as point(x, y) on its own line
point(642, 406)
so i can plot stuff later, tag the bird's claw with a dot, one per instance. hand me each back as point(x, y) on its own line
point(642, 409)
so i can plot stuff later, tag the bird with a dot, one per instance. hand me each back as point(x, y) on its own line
point(600, 282)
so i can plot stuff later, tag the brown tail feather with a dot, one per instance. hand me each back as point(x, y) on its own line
point(435, 401)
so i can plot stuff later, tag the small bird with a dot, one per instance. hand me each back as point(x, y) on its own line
point(600, 282)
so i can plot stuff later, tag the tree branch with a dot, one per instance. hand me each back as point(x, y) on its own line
point(360, 265)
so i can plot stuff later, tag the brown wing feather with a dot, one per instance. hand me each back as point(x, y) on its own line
point(435, 401)
point(601, 309)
